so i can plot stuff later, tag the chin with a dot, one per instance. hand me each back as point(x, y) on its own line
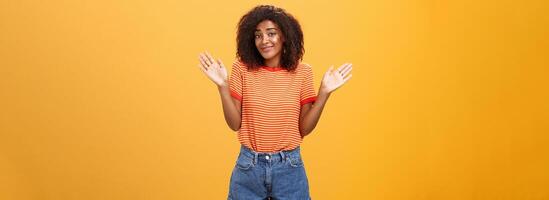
point(267, 56)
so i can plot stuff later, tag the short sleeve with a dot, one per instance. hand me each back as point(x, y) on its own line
point(235, 81)
point(307, 92)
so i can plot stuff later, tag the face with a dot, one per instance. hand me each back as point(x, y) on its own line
point(268, 40)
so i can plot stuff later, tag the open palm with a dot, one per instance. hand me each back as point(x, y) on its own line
point(214, 69)
point(335, 79)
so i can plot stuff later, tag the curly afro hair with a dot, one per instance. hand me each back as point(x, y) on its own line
point(292, 49)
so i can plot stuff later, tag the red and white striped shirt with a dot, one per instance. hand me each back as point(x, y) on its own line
point(271, 100)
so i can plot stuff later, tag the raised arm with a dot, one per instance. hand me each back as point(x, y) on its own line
point(310, 112)
point(215, 70)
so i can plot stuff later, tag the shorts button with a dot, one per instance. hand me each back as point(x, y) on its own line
point(267, 157)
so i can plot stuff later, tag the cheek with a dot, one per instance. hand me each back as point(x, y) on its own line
point(278, 42)
point(280, 46)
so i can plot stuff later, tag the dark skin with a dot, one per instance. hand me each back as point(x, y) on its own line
point(269, 40)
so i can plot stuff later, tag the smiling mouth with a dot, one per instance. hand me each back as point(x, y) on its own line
point(266, 48)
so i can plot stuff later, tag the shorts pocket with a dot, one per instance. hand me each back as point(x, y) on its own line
point(295, 161)
point(244, 162)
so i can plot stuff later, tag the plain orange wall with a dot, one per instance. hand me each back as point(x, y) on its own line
point(103, 99)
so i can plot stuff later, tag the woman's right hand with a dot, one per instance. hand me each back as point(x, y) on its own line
point(214, 69)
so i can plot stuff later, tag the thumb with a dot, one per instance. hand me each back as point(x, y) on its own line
point(330, 70)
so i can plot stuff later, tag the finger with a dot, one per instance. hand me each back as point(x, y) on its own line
point(203, 64)
point(221, 65)
point(327, 73)
point(346, 75)
point(203, 60)
point(347, 78)
point(341, 67)
point(347, 70)
point(210, 58)
point(330, 71)
point(202, 68)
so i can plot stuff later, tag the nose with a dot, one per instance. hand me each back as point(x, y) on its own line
point(264, 39)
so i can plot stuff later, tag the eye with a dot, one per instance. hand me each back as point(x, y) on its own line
point(257, 36)
point(271, 34)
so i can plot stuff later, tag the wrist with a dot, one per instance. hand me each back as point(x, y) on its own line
point(224, 84)
point(322, 93)
point(223, 87)
point(322, 97)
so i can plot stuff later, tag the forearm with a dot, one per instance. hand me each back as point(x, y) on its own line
point(230, 110)
point(311, 118)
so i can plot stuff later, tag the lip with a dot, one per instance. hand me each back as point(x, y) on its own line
point(267, 48)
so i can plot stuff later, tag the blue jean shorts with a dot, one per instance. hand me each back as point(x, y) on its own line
point(277, 176)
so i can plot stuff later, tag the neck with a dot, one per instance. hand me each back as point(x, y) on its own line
point(273, 62)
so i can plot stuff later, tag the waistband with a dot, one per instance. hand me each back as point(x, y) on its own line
point(280, 155)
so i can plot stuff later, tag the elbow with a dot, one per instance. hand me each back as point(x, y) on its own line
point(235, 126)
point(306, 129)
point(304, 132)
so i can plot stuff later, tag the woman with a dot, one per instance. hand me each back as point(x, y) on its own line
point(270, 101)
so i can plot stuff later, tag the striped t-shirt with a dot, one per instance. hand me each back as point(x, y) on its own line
point(271, 100)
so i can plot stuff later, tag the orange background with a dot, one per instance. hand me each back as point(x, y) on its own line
point(103, 99)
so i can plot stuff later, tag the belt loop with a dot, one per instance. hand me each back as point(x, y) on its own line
point(282, 155)
point(255, 157)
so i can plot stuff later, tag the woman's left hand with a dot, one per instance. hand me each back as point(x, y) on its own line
point(335, 79)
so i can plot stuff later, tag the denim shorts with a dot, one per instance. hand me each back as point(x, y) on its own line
point(277, 176)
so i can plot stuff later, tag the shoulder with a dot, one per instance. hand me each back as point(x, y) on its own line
point(304, 68)
point(239, 65)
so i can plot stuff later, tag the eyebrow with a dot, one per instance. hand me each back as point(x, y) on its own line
point(256, 30)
